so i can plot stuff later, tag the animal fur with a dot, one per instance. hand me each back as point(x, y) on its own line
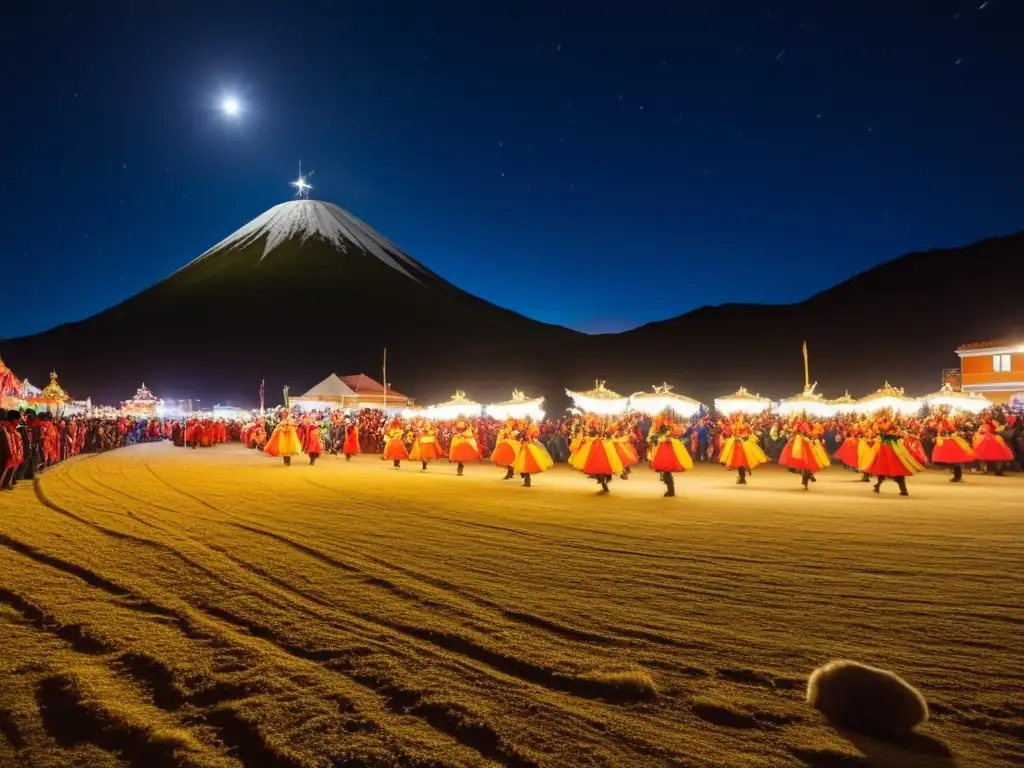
point(866, 699)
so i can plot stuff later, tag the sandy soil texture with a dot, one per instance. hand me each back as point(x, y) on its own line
point(163, 606)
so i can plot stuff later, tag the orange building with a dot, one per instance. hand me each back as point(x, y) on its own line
point(993, 368)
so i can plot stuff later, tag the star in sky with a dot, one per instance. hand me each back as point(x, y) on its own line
point(301, 185)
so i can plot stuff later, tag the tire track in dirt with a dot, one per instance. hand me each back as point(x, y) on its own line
point(121, 536)
point(519, 617)
point(534, 622)
point(208, 572)
point(71, 721)
point(448, 718)
point(105, 730)
point(89, 577)
point(77, 636)
point(65, 475)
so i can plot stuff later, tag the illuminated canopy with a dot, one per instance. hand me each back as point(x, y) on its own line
point(599, 400)
point(889, 398)
point(742, 402)
point(458, 406)
point(144, 402)
point(53, 392)
point(971, 402)
point(663, 399)
point(810, 402)
point(519, 407)
point(844, 404)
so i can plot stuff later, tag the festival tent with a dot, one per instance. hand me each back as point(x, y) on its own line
point(663, 399)
point(844, 404)
point(810, 402)
point(144, 403)
point(332, 392)
point(371, 394)
point(519, 407)
point(52, 397)
point(972, 402)
point(600, 401)
point(741, 401)
point(458, 406)
point(889, 398)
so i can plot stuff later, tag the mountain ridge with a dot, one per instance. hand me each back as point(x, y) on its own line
point(254, 306)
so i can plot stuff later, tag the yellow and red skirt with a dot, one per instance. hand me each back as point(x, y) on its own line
point(742, 452)
point(670, 455)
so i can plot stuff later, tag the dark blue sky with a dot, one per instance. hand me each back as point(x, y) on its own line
point(579, 164)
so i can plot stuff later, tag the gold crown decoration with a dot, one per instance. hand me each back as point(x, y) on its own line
point(845, 399)
point(53, 390)
point(602, 392)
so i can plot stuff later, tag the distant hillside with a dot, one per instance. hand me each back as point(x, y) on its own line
point(900, 321)
point(306, 289)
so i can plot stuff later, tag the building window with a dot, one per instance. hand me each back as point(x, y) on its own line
point(1001, 363)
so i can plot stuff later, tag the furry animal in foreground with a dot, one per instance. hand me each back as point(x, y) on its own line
point(866, 699)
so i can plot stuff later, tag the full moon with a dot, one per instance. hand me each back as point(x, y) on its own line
point(230, 106)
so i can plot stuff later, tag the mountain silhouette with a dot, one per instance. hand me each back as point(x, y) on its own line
point(304, 290)
point(307, 289)
point(900, 321)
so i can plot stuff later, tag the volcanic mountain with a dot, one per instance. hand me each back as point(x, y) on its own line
point(303, 290)
point(307, 289)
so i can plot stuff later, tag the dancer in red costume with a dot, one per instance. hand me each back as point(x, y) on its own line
point(257, 437)
point(912, 441)
point(191, 435)
point(532, 458)
point(990, 447)
point(351, 445)
point(464, 446)
point(741, 451)
point(312, 441)
point(624, 448)
point(506, 448)
point(426, 447)
point(668, 454)
point(848, 451)
point(891, 460)
point(597, 456)
point(284, 441)
point(394, 444)
point(803, 453)
point(12, 450)
point(951, 449)
point(204, 433)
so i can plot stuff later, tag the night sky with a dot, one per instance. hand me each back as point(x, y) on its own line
point(576, 164)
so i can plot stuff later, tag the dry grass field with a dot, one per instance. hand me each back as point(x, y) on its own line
point(163, 606)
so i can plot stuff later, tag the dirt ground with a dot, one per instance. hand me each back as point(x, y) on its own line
point(164, 606)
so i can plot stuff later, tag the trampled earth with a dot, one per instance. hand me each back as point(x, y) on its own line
point(164, 606)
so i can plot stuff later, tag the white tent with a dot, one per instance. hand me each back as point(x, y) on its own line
point(332, 392)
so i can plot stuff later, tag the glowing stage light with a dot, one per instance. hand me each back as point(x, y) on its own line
point(889, 398)
point(599, 401)
point(809, 402)
point(663, 399)
point(742, 402)
point(971, 402)
point(519, 407)
point(230, 106)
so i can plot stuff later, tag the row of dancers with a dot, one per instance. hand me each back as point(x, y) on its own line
point(603, 450)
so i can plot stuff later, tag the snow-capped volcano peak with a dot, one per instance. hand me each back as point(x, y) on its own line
point(305, 219)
